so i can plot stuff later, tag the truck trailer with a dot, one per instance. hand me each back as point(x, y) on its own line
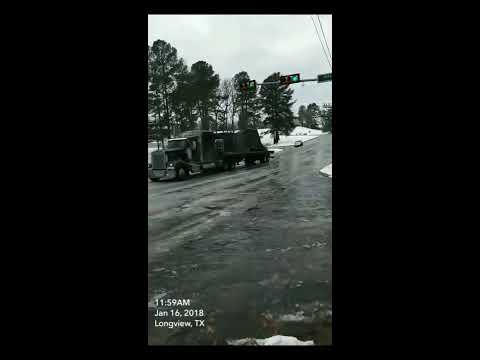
point(198, 150)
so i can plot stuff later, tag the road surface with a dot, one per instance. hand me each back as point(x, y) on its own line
point(250, 247)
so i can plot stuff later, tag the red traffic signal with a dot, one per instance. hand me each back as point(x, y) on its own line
point(248, 85)
point(289, 79)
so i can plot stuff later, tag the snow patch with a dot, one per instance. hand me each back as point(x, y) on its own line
point(299, 133)
point(274, 340)
point(300, 130)
point(275, 150)
point(327, 170)
point(292, 317)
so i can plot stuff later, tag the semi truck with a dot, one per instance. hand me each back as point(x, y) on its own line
point(197, 150)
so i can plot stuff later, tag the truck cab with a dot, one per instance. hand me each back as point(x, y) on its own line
point(175, 161)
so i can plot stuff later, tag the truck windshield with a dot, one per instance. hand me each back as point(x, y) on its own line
point(172, 144)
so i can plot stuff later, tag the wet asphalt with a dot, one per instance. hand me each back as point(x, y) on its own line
point(250, 247)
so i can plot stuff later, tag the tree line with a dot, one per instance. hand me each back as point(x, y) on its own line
point(314, 117)
point(182, 98)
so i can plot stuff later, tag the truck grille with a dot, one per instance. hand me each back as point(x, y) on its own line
point(158, 159)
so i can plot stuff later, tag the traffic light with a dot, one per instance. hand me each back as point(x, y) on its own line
point(289, 79)
point(244, 86)
point(324, 77)
point(250, 85)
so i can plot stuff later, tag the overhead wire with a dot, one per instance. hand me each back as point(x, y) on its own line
point(323, 47)
point(324, 38)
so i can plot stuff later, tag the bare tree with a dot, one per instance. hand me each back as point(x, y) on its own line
point(225, 103)
point(232, 108)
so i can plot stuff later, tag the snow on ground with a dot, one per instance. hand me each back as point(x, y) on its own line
point(293, 317)
point(299, 130)
point(327, 170)
point(274, 340)
point(283, 340)
point(299, 133)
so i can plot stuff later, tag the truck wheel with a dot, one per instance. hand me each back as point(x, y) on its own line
point(181, 173)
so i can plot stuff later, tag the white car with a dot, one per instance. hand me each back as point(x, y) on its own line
point(298, 143)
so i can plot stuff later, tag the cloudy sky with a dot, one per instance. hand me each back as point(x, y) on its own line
point(257, 44)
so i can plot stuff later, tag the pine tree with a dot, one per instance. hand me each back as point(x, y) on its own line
point(276, 104)
point(247, 103)
point(163, 67)
point(254, 111)
point(204, 87)
point(242, 120)
point(313, 116)
point(326, 118)
point(184, 101)
point(302, 115)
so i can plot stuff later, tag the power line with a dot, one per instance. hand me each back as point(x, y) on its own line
point(323, 47)
point(324, 38)
point(318, 35)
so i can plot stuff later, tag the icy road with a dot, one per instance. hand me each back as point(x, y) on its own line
point(251, 248)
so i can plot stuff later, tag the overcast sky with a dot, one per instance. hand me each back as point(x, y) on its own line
point(257, 44)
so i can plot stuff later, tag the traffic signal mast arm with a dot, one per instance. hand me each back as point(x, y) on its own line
point(269, 83)
point(284, 80)
point(320, 78)
point(278, 82)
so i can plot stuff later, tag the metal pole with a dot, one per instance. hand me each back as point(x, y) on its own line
point(306, 80)
point(157, 131)
point(278, 82)
point(246, 111)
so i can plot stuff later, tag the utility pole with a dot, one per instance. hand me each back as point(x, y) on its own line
point(157, 130)
point(246, 112)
